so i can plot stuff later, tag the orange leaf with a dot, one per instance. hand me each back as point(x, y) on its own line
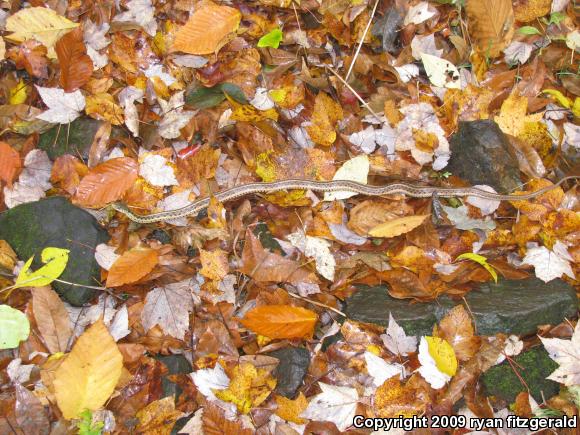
point(106, 182)
point(215, 422)
point(76, 67)
point(194, 37)
point(132, 266)
point(67, 171)
point(280, 321)
point(456, 328)
point(9, 163)
point(30, 55)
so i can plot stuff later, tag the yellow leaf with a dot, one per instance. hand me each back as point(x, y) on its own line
point(103, 107)
point(249, 387)
point(159, 417)
point(281, 321)
point(491, 25)
point(576, 107)
point(42, 24)
point(480, 259)
point(399, 226)
point(248, 113)
point(214, 264)
point(87, 377)
point(290, 410)
point(443, 354)
point(326, 114)
point(208, 29)
point(19, 93)
point(559, 97)
point(54, 259)
point(513, 114)
point(265, 167)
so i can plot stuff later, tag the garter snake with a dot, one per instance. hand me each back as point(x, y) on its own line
point(411, 190)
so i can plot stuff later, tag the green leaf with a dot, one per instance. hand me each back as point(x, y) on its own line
point(557, 18)
point(14, 327)
point(206, 98)
point(480, 259)
point(529, 30)
point(271, 39)
point(54, 259)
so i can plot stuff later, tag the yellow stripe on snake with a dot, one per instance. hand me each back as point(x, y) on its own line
point(411, 190)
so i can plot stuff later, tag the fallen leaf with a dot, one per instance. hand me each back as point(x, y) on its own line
point(457, 329)
point(158, 417)
point(441, 72)
point(63, 108)
point(419, 13)
point(10, 163)
point(271, 39)
point(14, 327)
point(132, 266)
point(169, 307)
point(157, 171)
point(249, 387)
point(87, 377)
point(396, 340)
point(438, 361)
point(214, 264)
point(30, 55)
point(290, 410)
point(325, 115)
point(380, 370)
point(52, 319)
point(567, 354)
point(399, 226)
point(479, 259)
point(355, 169)
point(67, 172)
point(209, 380)
point(32, 182)
point(280, 321)
point(55, 261)
point(103, 107)
point(174, 117)
point(140, 12)
point(334, 404)
point(549, 265)
point(106, 182)
point(491, 25)
point(193, 37)
point(512, 115)
point(393, 399)
point(31, 415)
point(216, 423)
point(316, 248)
point(42, 24)
point(76, 68)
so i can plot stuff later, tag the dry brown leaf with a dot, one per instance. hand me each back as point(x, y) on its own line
point(456, 327)
point(30, 55)
point(491, 25)
point(393, 398)
point(399, 226)
point(265, 266)
point(196, 38)
point(76, 67)
point(281, 321)
point(215, 422)
point(67, 172)
point(10, 163)
point(52, 319)
point(132, 266)
point(158, 417)
point(369, 213)
point(106, 182)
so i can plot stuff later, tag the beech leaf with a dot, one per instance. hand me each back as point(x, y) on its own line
point(281, 321)
point(76, 67)
point(132, 266)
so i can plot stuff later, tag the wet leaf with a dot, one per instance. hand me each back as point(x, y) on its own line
point(132, 266)
point(280, 321)
point(76, 67)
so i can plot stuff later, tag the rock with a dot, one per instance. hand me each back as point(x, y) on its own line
point(534, 366)
point(31, 227)
point(76, 138)
point(294, 362)
point(480, 154)
point(510, 307)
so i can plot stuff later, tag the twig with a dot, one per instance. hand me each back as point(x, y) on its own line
point(320, 304)
point(360, 43)
point(356, 94)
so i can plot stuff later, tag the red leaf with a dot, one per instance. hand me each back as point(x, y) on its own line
point(76, 67)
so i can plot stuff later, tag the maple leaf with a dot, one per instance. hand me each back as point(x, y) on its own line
point(567, 354)
point(548, 264)
point(169, 307)
point(335, 404)
point(62, 107)
point(326, 114)
point(32, 182)
point(396, 340)
point(141, 12)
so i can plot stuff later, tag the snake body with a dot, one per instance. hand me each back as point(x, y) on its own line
point(411, 190)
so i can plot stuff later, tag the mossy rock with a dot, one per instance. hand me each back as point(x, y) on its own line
point(55, 222)
point(534, 366)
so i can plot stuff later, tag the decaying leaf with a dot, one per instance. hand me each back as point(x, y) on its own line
point(335, 404)
point(491, 25)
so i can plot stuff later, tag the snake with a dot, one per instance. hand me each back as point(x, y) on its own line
point(411, 190)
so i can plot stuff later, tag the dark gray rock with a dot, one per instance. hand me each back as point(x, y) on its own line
point(31, 227)
point(533, 366)
point(387, 29)
point(175, 364)
point(510, 307)
point(74, 138)
point(480, 154)
point(294, 362)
